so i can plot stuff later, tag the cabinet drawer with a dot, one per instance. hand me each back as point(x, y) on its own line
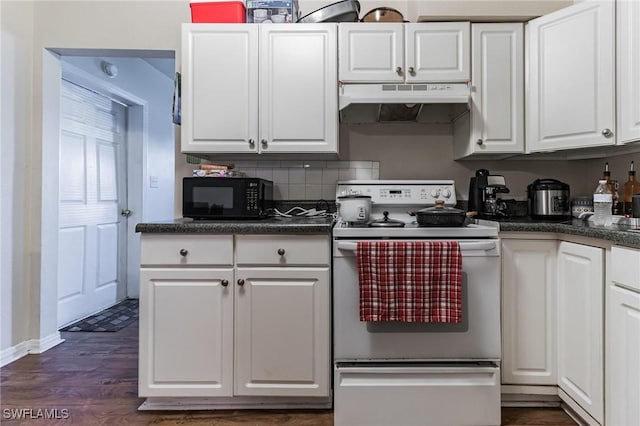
point(625, 265)
point(159, 249)
point(282, 250)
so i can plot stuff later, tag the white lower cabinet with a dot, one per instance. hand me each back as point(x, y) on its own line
point(580, 327)
point(529, 312)
point(225, 323)
point(186, 332)
point(622, 354)
point(282, 332)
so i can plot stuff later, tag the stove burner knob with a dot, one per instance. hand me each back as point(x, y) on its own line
point(435, 193)
point(446, 193)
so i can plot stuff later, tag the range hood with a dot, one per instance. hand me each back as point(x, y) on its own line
point(428, 103)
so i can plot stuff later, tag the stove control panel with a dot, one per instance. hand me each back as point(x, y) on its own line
point(401, 192)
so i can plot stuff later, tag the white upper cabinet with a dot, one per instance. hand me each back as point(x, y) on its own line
point(298, 88)
point(495, 123)
point(398, 53)
point(571, 67)
point(219, 88)
point(259, 88)
point(628, 74)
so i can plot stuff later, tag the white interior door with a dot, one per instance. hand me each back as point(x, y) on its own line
point(92, 181)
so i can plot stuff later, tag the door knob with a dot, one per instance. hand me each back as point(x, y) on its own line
point(252, 143)
point(126, 212)
point(264, 143)
point(281, 251)
point(184, 252)
point(224, 283)
point(412, 71)
point(241, 282)
point(399, 70)
point(479, 142)
point(607, 133)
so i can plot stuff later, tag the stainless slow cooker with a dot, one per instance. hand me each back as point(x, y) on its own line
point(549, 199)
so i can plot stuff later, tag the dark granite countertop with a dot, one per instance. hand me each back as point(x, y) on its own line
point(270, 225)
point(624, 234)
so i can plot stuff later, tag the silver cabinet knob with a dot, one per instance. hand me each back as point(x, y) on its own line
point(184, 252)
point(264, 143)
point(412, 71)
point(480, 142)
point(240, 282)
point(224, 283)
point(252, 143)
point(399, 70)
point(126, 212)
point(607, 133)
point(281, 251)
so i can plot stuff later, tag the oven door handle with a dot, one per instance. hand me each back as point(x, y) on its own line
point(464, 246)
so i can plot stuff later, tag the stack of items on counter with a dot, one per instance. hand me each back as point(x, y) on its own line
point(241, 11)
point(606, 199)
point(214, 170)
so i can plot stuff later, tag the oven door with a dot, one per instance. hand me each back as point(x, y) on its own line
point(476, 338)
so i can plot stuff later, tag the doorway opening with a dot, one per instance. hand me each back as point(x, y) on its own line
point(113, 168)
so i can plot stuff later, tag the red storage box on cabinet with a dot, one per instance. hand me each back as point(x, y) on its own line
point(218, 12)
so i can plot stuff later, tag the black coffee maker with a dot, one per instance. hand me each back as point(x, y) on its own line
point(483, 195)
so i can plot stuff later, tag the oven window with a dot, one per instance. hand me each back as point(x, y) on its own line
point(212, 199)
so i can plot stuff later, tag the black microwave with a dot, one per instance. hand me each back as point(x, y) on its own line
point(226, 197)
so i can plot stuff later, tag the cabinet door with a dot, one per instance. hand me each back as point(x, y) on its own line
point(628, 57)
point(371, 52)
point(219, 88)
point(438, 52)
point(580, 325)
point(570, 102)
point(529, 312)
point(298, 88)
point(497, 101)
point(282, 332)
point(186, 332)
point(623, 355)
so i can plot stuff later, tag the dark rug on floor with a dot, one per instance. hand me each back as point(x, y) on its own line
point(114, 318)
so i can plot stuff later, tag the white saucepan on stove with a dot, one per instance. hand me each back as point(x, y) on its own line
point(354, 208)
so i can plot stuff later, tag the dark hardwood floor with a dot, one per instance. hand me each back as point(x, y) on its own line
point(91, 379)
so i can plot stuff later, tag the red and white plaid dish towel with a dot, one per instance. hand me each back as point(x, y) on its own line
point(410, 281)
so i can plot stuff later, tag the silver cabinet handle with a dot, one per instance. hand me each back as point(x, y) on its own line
point(224, 283)
point(412, 71)
point(241, 282)
point(264, 143)
point(184, 252)
point(281, 251)
point(480, 142)
point(252, 143)
point(607, 133)
point(126, 212)
point(399, 70)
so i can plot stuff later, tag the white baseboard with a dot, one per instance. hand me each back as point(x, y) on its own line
point(33, 346)
point(235, 403)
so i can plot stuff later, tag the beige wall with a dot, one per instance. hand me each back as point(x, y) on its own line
point(28, 28)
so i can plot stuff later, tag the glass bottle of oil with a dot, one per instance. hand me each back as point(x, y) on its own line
point(631, 186)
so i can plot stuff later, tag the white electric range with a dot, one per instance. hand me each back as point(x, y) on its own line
point(416, 373)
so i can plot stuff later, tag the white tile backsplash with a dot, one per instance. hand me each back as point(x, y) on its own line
point(308, 180)
point(330, 176)
point(297, 176)
point(297, 192)
point(313, 176)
